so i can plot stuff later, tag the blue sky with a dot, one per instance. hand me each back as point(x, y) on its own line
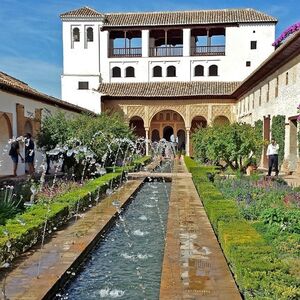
point(31, 42)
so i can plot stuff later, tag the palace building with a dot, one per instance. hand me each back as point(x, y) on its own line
point(171, 72)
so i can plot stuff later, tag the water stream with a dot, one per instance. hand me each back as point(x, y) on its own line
point(127, 263)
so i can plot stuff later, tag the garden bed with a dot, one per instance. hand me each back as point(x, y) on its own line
point(251, 246)
point(26, 229)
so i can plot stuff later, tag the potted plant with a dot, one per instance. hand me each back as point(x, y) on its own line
point(251, 165)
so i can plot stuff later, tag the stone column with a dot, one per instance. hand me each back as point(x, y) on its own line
point(147, 142)
point(186, 41)
point(37, 121)
point(145, 43)
point(298, 151)
point(285, 166)
point(291, 156)
point(20, 119)
point(187, 144)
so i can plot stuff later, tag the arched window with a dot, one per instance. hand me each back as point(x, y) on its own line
point(76, 34)
point(157, 71)
point(129, 72)
point(171, 71)
point(116, 72)
point(199, 70)
point(90, 34)
point(213, 70)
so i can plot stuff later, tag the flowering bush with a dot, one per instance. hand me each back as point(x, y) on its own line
point(254, 196)
point(295, 27)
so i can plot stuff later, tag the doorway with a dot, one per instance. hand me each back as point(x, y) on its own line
point(168, 131)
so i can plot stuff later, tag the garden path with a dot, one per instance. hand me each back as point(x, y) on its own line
point(194, 266)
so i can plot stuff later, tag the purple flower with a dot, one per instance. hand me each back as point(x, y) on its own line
point(293, 28)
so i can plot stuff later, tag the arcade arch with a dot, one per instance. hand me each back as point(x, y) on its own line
point(221, 120)
point(198, 122)
point(137, 124)
point(6, 134)
point(165, 123)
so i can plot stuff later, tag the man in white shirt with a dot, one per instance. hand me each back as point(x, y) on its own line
point(272, 153)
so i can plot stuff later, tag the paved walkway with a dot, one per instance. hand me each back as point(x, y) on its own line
point(194, 266)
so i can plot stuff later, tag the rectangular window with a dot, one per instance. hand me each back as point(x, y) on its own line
point(259, 99)
point(83, 85)
point(248, 63)
point(253, 45)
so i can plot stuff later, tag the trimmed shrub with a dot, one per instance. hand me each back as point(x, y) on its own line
point(258, 271)
point(26, 229)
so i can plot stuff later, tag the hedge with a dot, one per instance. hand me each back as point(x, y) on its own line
point(26, 229)
point(258, 271)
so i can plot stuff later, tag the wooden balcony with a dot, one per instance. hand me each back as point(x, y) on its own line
point(208, 50)
point(126, 52)
point(166, 51)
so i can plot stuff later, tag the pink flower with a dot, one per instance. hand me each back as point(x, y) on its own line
point(293, 28)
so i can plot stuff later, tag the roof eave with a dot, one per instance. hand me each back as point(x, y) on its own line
point(43, 99)
point(161, 97)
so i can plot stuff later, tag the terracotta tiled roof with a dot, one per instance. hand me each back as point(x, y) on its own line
point(15, 86)
point(168, 89)
point(82, 12)
point(221, 16)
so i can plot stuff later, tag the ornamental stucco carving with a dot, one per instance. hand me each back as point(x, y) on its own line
point(221, 110)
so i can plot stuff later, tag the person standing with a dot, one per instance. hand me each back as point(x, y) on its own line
point(174, 142)
point(29, 153)
point(272, 153)
point(14, 153)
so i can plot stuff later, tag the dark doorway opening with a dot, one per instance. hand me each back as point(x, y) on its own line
point(168, 131)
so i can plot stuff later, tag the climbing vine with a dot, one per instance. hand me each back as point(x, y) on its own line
point(278, 133)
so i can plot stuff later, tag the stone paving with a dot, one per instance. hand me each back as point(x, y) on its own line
point(194, 266)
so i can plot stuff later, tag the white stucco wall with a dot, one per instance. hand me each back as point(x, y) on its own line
point(89, 99)
point(8, 104)
point(285, 103)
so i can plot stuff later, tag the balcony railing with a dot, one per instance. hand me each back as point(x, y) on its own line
point(166, 51)
point(126, 52)
point(208, 50)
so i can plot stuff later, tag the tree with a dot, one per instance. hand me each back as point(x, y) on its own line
point(83, 139)
point(55, 130)
point(235, 144)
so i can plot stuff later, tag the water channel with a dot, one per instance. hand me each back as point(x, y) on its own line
point(127, 262)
